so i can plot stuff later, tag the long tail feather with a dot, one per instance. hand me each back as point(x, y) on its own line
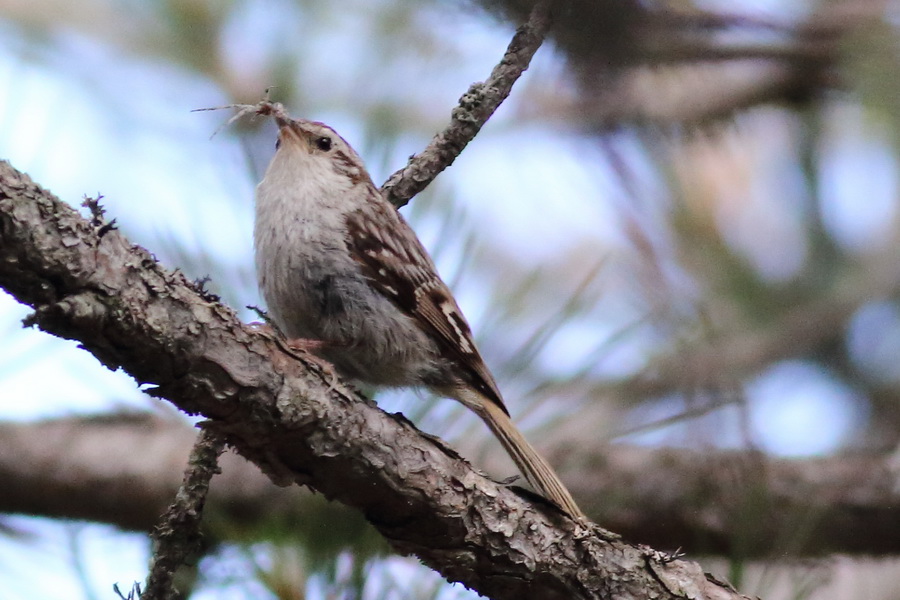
point(538, 472)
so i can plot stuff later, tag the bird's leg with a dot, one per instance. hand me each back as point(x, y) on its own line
point(302, 349)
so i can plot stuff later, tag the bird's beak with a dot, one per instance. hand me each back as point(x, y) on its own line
point(288, 133)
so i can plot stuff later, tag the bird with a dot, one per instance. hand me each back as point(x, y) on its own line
point(344, 276)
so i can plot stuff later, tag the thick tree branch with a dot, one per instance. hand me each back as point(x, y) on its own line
point(663, 497)
point(62, 469)
point(88, 283)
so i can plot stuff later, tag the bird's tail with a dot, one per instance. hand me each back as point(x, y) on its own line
point(537, 470)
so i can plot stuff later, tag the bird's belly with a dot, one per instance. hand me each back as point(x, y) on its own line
point(365, 336)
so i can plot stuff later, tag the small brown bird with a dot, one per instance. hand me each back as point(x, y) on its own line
point(339, 266)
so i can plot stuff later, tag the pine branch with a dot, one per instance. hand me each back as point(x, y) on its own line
point(298, 425)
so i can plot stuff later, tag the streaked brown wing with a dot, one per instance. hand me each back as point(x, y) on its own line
point(399, 267)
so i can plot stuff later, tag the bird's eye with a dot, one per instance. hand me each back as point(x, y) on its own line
point(278, 143)
point(323, 143)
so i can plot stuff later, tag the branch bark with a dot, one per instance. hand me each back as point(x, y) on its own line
point(87, 283)
point(178, 537)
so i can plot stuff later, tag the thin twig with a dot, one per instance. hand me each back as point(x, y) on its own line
point(475, 107)
point(178, 535)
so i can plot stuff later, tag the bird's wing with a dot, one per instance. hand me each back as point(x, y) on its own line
point(398, 266)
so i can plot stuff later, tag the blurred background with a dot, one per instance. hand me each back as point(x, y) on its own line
point(677, 244)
